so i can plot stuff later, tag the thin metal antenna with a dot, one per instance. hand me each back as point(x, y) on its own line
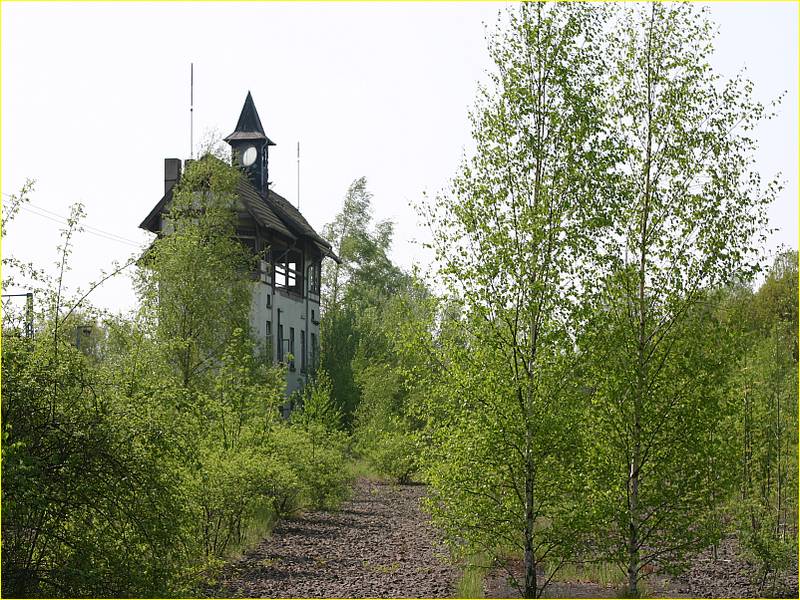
point(191, 110)
point(298, 175)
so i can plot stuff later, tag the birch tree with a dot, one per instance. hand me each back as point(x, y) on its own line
point(364, 278)
point(687, 209)
point(765, 386)
point(514, 240)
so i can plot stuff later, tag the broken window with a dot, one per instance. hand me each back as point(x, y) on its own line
point(288, 270)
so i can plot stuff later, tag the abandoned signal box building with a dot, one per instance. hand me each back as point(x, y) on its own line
point(284, 314)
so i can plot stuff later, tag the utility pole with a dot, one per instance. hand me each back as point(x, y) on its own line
point(28, 311)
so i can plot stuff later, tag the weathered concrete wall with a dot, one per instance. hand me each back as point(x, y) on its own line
point(279, 308)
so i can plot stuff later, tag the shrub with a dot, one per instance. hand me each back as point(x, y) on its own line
point(391, 451)
point(317, 457)
point(90, 496)
point(772, 553)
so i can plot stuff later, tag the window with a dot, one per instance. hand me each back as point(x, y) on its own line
point(268, 345)
point(313, 316)
point(291, 348)
point(313, 351)
point(302, 351)
point(269, 301)
point(288, 270)
point(280, 343)
point(314, 277)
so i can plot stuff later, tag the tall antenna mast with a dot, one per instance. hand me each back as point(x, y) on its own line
point(191, 110)
point(298, 175)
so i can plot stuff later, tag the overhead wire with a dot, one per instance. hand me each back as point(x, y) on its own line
point(99, 233)
point(62, 220)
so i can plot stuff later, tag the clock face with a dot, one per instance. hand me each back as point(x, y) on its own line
point(249, 156)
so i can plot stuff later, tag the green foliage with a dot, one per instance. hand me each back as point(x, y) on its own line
point(765, 388)
point(773, 553)
point(611, 196)
point(477, 461)
point(595, 385)
point(135, 463)
point(685, 467)
point(390, 372)
point(471, 583)
point(391, 448)
point(231, 488)
point(194, 288)
point(319, 406)
point(317, 456)
point(90, 506)
point(686, 210)
point(515, 242)
point(365, 278)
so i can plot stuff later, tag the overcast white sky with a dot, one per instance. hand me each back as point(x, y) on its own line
point(95, 96)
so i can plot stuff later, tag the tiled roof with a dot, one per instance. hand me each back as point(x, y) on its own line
point(294, 218)
point(274, 213)
point(261, 212)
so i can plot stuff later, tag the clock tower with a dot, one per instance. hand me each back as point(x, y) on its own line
point(250, 146)
point(285, 279)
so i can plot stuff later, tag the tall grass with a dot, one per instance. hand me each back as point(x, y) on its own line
point(596, 572)
point(471, 583)
point(361, 467)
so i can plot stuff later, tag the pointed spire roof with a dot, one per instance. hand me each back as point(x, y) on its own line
point(249, 125)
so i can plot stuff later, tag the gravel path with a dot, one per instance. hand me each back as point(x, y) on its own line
point(727, 575)
point(379, 544)
point(730, 576)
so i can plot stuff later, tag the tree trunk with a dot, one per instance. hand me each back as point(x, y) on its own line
point(633, 513)
point(530, 521)
point(634, 475)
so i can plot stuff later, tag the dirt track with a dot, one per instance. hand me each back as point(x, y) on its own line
point(378, 545)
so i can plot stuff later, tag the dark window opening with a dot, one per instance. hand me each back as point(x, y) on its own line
point(291, 348)
point(302, 351)
point(280, 343)
point(314, 278)
point(268, 345)
point(289, 270)
point(314, 352)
